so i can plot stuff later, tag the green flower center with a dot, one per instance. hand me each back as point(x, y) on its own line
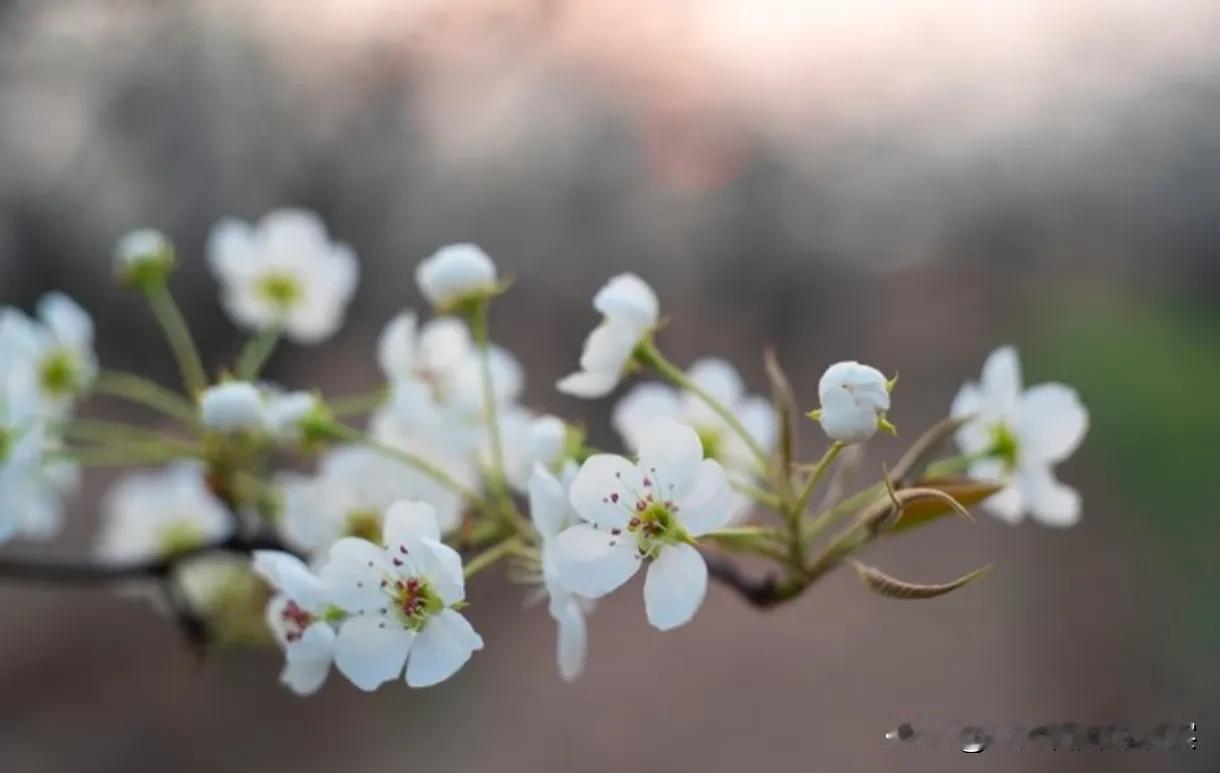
point(1004, 445)
point(181, 536)
point(365, 524)
point(58, 374)
point(6, 443)
point(416, 601)
point(655, 526)
point(282, 290)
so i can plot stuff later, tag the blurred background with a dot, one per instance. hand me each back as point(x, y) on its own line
point(908, 183)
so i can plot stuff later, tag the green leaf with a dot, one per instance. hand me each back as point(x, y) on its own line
point(882, 584)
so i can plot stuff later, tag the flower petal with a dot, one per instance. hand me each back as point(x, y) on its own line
point(573, 640)
point(443, 566)
point(287, 573)
point(305, 677)
point(606, 490)
point(316, 643)
point(592, 562)
point(352, 576)
point(609, 347)
point(1050, 502)
point(628, 297)
point(370, 651)
point(1001, 382)
point(1051, 422)
point(1008, 504)
point(396, 347)
point(549, 507)
point(68, 322)
point(670, 455)
point(641, 407)
point(675, 586)
point(443, 647)
point(707, 505)
point(407, 522)
point(588, 385)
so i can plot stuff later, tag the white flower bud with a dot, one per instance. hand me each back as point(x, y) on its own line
point(143, 255)
point(456, 273)
point(232, 407)
point(548, 438)
point(287, 414)
point(854, 399)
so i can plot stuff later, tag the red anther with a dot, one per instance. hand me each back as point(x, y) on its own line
point(641, 506)
point(614, 497)
point(616, 532)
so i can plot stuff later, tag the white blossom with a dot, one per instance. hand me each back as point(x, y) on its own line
point(400, 601)
point(283, 272)
point(1022, 435)
point(297, 616)
point(286, 413)
point(652, 509)
point(33, 481)
point(160, 513)
point(855, 399)
point(234, 406)
point(630, 311)
point(53, 353)
point(637, 411)
point(350, 494)
point(455, 273)
point(551, 512)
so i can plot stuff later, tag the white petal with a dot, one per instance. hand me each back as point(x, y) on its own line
point(592, 562)
point(549, 507)
point(630, 298)
point(370, 651)
point(975, 436)
point(443, 566)
point(640, 408)
point(69, 323)
point(305, 677)
point(1001, 382)
point(396, 347)
point(1050, 502)
point(1051, 423)
point(443, 647)
point(607, 490)
point(548, 437)
point(408, 522)
point(573, 640)
point(609, 347)
point(1008, 505)
point(706, 506)
point(353, 574)
point(675, 586)
point(670, 455)
point(287, 573)
point(230, 250)
point(454, 271)
point(316, 643)
point(232, 406)
point(588, 385)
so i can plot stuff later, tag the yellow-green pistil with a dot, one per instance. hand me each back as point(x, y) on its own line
point(1004, 445)
point(59, 374)
point(416, 601)
point(283, 290)
point(180, 536)
point(654, 526)
point(365, 524)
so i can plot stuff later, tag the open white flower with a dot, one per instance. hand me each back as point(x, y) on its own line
point(283, 272)
point(1023, 435)
point(53, 353)
point(349, 496)
point(234, 406)
point(552, 513)
point(287, 414)
point(651, 509)
point(630, 311)
point(400, 600)
point(32, 483)
point(855, 399)
point(297, 616)
point(161, 513)
point(455, 273)
point(433, 354)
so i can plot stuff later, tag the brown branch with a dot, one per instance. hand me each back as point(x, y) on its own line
point(762, 592)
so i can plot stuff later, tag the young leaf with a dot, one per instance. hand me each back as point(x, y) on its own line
point(881, 583)
point(921, 512)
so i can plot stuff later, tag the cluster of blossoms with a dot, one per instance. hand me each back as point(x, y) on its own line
point(365, 542)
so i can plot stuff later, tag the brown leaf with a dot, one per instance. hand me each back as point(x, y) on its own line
point(784, 400)
point(881, 583)
point(924, 511)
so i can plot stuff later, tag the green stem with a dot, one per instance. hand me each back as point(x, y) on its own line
point(408, 458)
point(356, 405)
point(756, 494)
point(815, 477)
point(256, 353)
point(123, 457)
point(648, 354)
point(169, 316)
point(490, 556)
point(116, 433)
point(479, 329)
point(150, 394)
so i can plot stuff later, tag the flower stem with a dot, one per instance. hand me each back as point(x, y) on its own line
point(256, 353)
point(648, 354)
point(815, 477)
point(116, 433)
point(491, 555)
point(150, 394)
point(758, 495)
point(169, 316)
point(478, 323)
point(356, 405)
point(408, 458)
